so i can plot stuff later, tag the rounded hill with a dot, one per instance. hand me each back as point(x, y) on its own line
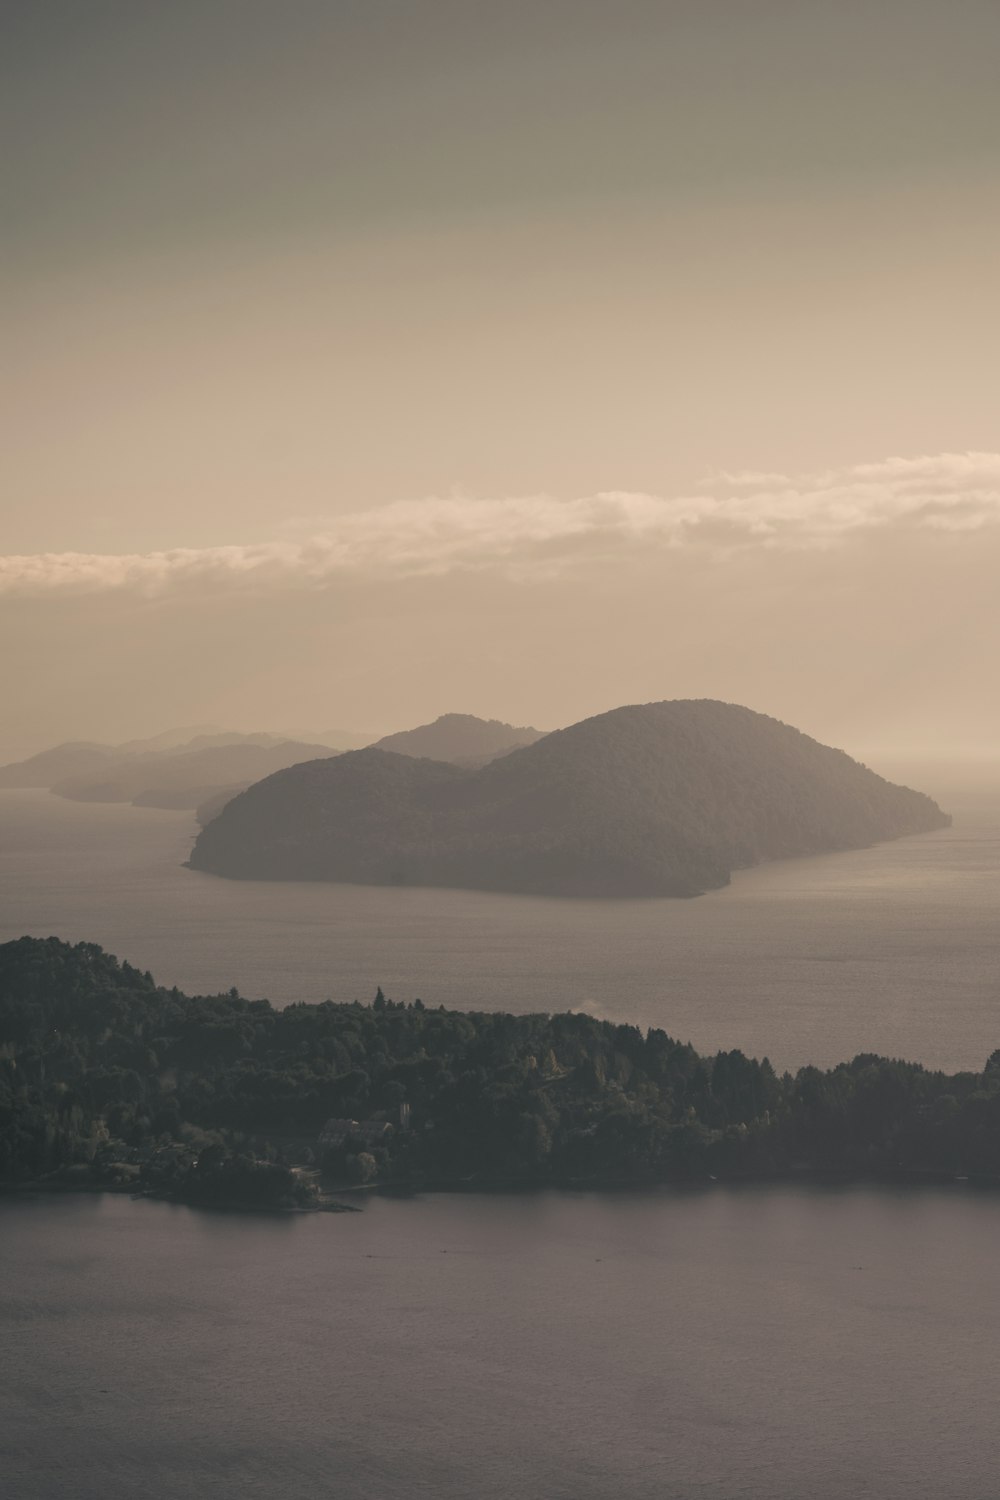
point(658, 799)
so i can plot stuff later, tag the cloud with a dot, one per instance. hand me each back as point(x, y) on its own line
point(538, 537)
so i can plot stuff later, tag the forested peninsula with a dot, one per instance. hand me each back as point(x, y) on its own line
point(109, 1080)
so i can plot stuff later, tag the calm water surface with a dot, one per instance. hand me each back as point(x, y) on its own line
point(894, 949)
point(759, 1344)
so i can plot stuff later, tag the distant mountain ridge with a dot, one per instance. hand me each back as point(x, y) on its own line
point(75, 757)
point(203, 767)
point(659, 799)
point(461, 739)
point(184, 778)
point(180, 776)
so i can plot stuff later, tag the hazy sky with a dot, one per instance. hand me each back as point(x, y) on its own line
point(367, 360)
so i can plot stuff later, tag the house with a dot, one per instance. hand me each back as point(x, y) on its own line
point(367, 1132)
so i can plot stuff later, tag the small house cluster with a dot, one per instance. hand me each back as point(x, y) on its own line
point(367, 1133)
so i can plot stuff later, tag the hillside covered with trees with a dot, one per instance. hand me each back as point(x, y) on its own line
point(660, 799)
point(106, 1078)
point(460, 738)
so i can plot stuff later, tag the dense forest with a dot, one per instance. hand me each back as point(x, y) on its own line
point(656, 799)
point(106, 1078)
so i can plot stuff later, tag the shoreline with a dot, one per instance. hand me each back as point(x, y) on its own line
point(494, 1187)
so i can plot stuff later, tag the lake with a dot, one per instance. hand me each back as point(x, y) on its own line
point(894, 949)
point(717, 1344)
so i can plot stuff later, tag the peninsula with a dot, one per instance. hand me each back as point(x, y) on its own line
point(107, 1079)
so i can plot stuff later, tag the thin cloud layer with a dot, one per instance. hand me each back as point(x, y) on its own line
point(538, 537)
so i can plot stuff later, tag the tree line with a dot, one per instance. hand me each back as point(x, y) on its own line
point(107, 1077)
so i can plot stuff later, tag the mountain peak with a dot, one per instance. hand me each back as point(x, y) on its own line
point(462, 739)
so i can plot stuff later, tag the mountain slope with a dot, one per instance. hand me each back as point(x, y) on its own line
point(460, 738)
point(657, 799)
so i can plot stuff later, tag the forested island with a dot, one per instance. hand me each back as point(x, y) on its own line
point(654, 799)
point(109, 1080)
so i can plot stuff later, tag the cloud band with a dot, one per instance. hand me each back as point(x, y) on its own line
point(537, 537)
